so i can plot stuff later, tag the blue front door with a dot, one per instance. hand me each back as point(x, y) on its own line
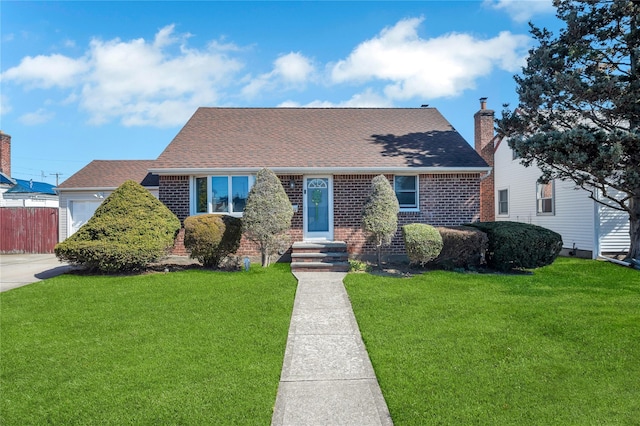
point(318, 208)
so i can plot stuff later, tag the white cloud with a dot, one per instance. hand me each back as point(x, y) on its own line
point(522, 10)
point(292, 70)
point(366, 99)
point(5, 105)
point(40, 116)
point(136, 81)
point(47, 71)
point(428, 68)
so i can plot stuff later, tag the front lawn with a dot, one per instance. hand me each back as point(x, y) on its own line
point(192, 347)
point(561, 346)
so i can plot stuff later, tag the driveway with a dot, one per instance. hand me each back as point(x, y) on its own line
point(17, 270)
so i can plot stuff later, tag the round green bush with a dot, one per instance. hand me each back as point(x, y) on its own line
point(129, 230)
point(211, 237)
point(422, 242)
point(516, 245)
point(463, 247)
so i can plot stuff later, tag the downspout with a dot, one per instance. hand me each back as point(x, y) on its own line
point(487, 175)
point(596, 253)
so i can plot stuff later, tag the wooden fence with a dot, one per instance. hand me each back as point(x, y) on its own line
point(28, 229)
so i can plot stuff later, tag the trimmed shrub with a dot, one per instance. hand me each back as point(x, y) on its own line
point(462, 247)
point(129, 230)
point(422, 242)
point(514, 245)
point(380, 214)
point(267, 215)
point(210, 237)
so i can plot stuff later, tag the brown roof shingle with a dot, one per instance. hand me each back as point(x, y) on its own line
point(112, 174)
point(317, 138)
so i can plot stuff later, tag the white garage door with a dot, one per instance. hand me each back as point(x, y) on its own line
point(81, 212)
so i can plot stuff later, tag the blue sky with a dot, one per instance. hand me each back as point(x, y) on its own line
point(117, 80)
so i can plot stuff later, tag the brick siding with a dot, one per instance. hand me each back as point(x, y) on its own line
point(484, 138)
point(445, 200)
point(5, 154)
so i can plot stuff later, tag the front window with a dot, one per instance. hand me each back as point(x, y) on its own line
point(503, 202)
point(406, 189)
point(221, 194)
point(544, 198)
point(201, 195)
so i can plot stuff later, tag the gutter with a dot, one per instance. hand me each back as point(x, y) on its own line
point(321, 170)
point(487, 175)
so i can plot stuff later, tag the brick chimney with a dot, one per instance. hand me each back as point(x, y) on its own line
point(483, 138)
point(5, 153)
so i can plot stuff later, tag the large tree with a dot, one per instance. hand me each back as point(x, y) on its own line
point(578, 116)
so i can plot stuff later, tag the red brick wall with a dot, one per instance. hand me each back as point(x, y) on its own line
point(5, 154)
point(445, 199)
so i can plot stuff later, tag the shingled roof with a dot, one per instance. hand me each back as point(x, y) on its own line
point(338, 139)
point(111, 174)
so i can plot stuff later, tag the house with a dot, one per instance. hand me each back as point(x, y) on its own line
point(588, 228)
point(82, 193)
point(325, 159)
point(28, 209)
point(19, 192)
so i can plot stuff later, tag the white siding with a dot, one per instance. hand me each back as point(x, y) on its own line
point(613, 229)
point(574, 211)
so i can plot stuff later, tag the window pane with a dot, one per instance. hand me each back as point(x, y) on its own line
point(240, 191)
point(406, 199)
point(201, 195)
point(220, 194)
point(405, 183)
point(545, 197)
point(503, 201)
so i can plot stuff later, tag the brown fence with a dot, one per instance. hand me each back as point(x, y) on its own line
point(28, 229)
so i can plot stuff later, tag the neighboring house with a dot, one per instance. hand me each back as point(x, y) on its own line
point(588, 228)
point(26, 193)
point(19, 192)
point(82, 193)
point(325, 159)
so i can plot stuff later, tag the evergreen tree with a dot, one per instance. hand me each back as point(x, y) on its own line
point(380, 214)
point(129, 230)
point(267, 214)
point(578, 116)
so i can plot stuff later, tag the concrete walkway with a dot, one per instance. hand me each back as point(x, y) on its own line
point(327, 377)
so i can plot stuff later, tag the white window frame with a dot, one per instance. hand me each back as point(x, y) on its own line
point(193, 194)
point(540, 199)
point(415, 208)
point(499, 202)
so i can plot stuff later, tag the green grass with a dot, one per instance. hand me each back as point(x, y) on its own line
point(192, 347)
point(561, 346)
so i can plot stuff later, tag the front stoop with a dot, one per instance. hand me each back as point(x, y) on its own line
point(330, 256)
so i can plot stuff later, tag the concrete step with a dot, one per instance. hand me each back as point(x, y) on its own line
point(318, 247)
point(319, 267)
point(320, 257)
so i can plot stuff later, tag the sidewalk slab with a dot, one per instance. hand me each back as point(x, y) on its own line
point(327, 377)
point(350, 402)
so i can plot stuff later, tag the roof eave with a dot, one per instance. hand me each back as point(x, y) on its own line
point(318, 170)
point(99, 188)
